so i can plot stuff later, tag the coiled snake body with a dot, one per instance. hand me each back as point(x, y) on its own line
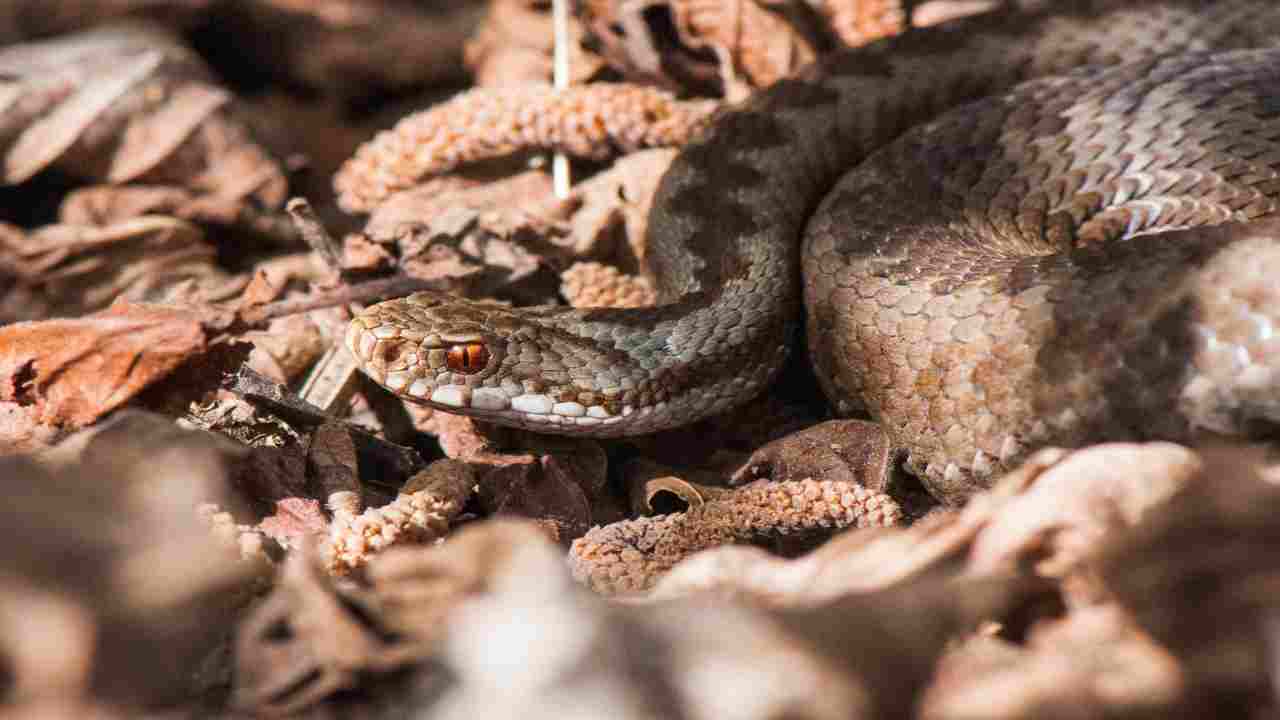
point(1085, 256)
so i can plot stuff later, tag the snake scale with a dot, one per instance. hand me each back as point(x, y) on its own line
point(1032, 227)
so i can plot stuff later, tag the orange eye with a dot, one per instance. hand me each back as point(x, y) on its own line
point(467, 359)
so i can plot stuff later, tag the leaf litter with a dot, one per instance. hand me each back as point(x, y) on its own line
point(195, 472)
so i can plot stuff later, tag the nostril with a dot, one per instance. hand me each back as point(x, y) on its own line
point(394, 351)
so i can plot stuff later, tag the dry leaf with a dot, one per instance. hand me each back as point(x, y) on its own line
point(747, 38)
point(65, 270)
point(68, 373)
point(126, 103)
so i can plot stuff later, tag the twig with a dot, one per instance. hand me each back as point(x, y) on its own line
point(367, 292)
point(313, 232)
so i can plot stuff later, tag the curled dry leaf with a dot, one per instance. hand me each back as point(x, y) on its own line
point(593, 121)
point(473, 599)
point(126, 103)
point(748, 39)
point(307, 640)
point(63, 270)
point(1069, 510)
point(490, 237)
point(559, 482)
point(109, 204)
point(616, 202)
point(514, 47)
point(506, 202)
point(68, 373)
point(482, 238)
point(415, 589)
point(303, 643)
point(853, 451)
point(657, 493)
point(1095, 660)
point(631, 555)
point(105, 569)
point(1200, 575)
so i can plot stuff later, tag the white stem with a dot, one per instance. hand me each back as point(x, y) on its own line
point(560, 68)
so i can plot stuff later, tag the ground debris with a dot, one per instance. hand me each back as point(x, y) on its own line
point(196, 472)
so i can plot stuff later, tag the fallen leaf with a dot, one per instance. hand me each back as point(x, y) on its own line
point(72, 372)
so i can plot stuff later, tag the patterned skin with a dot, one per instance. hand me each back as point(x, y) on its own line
point(986, 267)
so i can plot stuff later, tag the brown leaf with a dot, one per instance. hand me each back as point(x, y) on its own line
point(331, 460)
point(1071, 509)
point(759, 43)
point(538, 488)
point(71, 372)
point(303, 643)
point(1200, 574)
point(106, 568)
point(846, 450)
point(513, 47)
point(124, 103)
point(62, 270)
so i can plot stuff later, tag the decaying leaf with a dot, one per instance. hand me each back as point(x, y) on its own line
point(69, 373)
point(748, 39)
point(1201, 573)
point(69, 270)
point(301, 644)
point(126, 103)
point(105, 568)
point(514, 45)
point(1096, 661)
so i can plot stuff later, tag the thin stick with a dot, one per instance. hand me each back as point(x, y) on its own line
point(314, 233)
point(366, 292)
point(560, 24)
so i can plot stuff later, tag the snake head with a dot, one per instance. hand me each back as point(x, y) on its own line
point(489, 361)
point(426, 347)
point(551, 369)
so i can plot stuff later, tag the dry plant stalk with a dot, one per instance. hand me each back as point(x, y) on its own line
point(592, 284)
point(631, 555)
point(419, 514)
point(592, 121)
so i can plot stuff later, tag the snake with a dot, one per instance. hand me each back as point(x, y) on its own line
point(1046, 225)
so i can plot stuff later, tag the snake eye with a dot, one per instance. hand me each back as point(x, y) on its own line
point(467, 359)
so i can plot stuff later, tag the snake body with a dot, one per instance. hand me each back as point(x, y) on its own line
point(1027, 228)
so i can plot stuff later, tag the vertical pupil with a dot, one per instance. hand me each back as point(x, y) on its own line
point(468, 358)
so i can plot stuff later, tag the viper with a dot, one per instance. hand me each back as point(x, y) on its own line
point(1046, 226)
